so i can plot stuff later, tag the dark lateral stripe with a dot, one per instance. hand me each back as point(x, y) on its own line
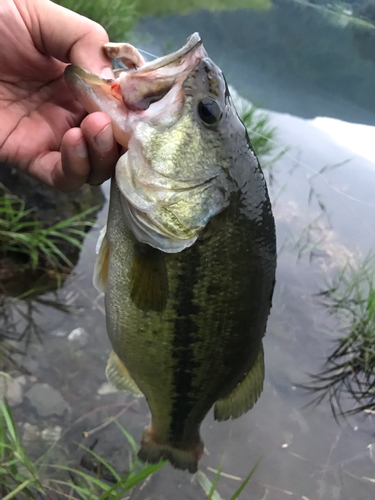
point(185, 335)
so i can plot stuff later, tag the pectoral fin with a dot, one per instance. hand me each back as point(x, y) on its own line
point(102, 261)
point(119, 376)
point(243, 397)
point(148, 279)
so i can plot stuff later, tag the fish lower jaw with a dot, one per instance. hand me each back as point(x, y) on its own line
point(152, 451)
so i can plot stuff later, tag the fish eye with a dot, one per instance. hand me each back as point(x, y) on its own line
point(209, 110)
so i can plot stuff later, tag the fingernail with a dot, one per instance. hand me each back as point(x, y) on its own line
point(106, 73)
point(80, 149)
point(104, 140)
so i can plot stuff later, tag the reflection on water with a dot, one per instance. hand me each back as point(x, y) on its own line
point(300, 68)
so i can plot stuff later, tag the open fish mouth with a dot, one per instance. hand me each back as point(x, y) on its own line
point(176, 57)
point(136, 88)
point(168, 196)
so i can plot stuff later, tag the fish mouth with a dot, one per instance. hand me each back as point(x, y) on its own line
point(135, 90)
point(194, 41)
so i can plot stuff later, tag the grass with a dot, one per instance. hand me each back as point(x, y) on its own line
point(150, 7)
point(20, 477)
point(210, 487)
point(263, 136)
point(350, 368)
point(116, 16)
point(20, 234)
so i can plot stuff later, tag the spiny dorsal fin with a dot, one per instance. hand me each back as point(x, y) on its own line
point(118, 375)
point(148, 279)
point(244, 396)
point(102, 261)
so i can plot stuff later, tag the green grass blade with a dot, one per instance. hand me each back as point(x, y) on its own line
point(141, 475)
point(206, 485)
point(87, 477)
point(128, 436)
point(248, 477)
point(19, 488)
point(102, 461)
point(215, 482)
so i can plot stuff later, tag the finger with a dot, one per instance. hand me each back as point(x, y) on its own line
point(102, 147)
point(71, 38)
point(75, 163)
point(68, 170)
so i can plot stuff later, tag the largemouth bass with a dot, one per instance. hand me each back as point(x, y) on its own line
point(187, 259)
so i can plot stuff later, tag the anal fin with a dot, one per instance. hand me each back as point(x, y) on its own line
point(148, 279)
point(244, 396)
point(118, 375)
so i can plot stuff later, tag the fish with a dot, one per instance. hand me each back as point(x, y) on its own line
point(187, 259)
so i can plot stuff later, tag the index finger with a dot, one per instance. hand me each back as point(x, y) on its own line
point(70, 37)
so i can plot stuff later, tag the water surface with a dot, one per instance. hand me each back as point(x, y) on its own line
point(310, 74)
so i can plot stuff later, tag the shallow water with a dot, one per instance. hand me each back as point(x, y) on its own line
point(324, 220)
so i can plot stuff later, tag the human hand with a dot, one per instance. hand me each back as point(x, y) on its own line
point(44, 130)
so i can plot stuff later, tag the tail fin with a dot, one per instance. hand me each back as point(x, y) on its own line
point(181, 458)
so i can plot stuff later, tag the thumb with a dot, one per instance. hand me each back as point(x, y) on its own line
point(72, 38)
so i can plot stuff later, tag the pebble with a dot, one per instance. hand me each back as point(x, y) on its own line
point(30, 432)
point(78, 336)
point(46, 400)
point(51, 434)
point(106, 388)
point(11, 389)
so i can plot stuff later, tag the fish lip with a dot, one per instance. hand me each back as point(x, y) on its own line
point(72, 71)
point(191, 44)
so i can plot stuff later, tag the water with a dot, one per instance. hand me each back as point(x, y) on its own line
point(309, 71)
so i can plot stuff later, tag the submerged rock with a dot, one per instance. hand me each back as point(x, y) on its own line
point(47, 401)
point(106, 388)
point(10, 389)
point(78, 336)
point(30, 432)
point(51, 434)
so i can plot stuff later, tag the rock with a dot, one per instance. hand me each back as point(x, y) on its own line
point(106, 388)
point(11, 389)
point(21, 380)
point(30, 432)
point(51, 434)
point(47, 401)
point(79, 336)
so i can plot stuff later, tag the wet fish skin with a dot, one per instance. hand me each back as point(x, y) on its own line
point(188, 324)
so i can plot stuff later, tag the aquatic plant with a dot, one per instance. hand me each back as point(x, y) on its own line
point(21, 234)
point(350, 368)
